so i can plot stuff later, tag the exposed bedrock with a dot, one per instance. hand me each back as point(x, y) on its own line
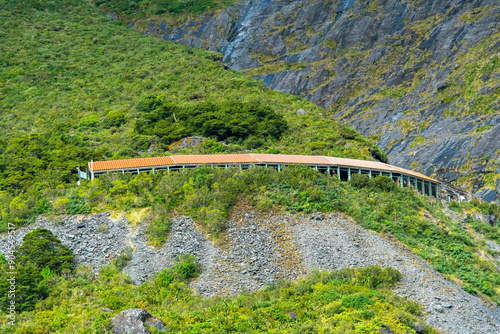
point(399, 71)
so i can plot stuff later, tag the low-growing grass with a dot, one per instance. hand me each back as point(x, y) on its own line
point(347, 301)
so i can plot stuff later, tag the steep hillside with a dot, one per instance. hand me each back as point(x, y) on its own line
point(421, 78)
point(290, 246)
point(74, 85)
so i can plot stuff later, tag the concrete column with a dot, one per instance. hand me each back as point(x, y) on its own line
point(338, 172)
point(370, 175)
point(349, 173)
point(401, 180)
point(279, 168)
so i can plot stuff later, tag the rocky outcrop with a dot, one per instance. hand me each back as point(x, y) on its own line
point(132, 321)
point(260, 249)
point(421, 77)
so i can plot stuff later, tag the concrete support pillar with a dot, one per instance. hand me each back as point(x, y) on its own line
point(338, 172)
point(349, 173)
point(401, 181)
point(279, 168)
point(153, 170)
point(370, 175)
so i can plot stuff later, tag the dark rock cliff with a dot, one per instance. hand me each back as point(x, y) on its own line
point(421, 78)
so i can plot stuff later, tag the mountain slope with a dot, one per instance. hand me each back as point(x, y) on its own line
point(421, 78)
point(72, 83)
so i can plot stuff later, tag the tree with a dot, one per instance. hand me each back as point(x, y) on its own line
point(43, 249)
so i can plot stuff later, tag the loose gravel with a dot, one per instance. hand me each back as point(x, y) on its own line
point(260, 249)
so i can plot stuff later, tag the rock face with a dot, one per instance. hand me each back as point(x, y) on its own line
point(260, 249)
point(421, 77)
point(132, 321)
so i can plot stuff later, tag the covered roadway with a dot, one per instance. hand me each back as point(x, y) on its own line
point(341, 167)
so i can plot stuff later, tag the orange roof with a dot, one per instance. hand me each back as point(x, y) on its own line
point(410, 172)
point(289, 159)
point(131, 163)
point(213, 159)
point(248, 158)
point(356, 163)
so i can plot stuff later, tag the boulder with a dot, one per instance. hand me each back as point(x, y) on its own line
point(301, 112)
point(385, 330)
point(419, 328)
point(132, 321)
point(490, 219)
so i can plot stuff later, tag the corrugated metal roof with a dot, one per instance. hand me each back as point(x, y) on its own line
point(213, 159)
point(290, 159)
point(249, 158)
point(410, 172)
point(131, 163)
point(356, 163)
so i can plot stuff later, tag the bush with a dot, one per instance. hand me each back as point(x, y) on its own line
point(374, 277)
point(225, 121)
point(157, 232)
point(44, 249)
point(360, 180)
point(184, 267)
point(384, 183)
point(123, 259)
point(378, 154)
point(40, 255)
point(91, 121)
point(114, 118)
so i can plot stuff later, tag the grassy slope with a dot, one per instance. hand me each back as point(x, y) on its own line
point(326, 302)
point(64, 62)
point(474, 69)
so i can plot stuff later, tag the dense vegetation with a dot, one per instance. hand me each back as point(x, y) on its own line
point(159, 7)
point(234, 122)
point(347, 301)
point(71, 81)
point(39, 258)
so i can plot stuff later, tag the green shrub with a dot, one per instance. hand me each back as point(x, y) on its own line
point(224, 121)
point(44, 249)
point(360, 180)
point(357, 301)
point(91, 121)
point(114, 118)
point(39, 257)
point(384, 183)
point(374, 277)
point(184, 268)
point(123, 259)
point(157, 232)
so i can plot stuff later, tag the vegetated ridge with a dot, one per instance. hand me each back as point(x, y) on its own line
point(420, 78)
point(75, 85)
